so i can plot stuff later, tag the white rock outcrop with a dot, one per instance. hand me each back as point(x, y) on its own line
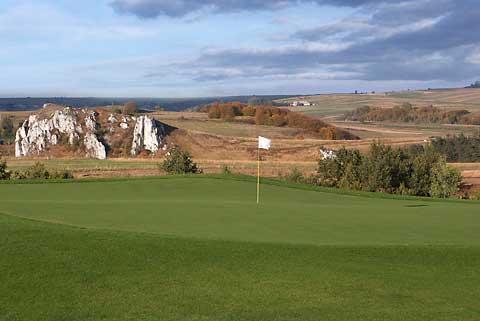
point(37, 134)
point(91, 122)
point(146, 135)
point(89, 131)
point(328, 154)
point(94, 147)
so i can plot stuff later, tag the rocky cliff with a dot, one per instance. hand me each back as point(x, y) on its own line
point(93, 133)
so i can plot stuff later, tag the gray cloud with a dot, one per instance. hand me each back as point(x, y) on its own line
point(181, 8)
point(430, 40)
point(408, 40)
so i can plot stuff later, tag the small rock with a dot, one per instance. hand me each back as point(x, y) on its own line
point(112, 119)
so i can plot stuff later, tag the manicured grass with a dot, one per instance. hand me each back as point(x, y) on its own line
point(187, 248)
point(226, 209)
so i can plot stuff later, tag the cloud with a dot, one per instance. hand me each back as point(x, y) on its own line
point(181, 8)
point(40, 23)
point(421, 40)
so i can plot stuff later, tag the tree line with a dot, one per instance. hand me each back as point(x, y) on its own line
point(417, 171)
point(458, 148)
point(476, 84)
point(407, 113)
point(274, 116)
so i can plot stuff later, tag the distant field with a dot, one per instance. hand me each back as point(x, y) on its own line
point(381, 130)
point(199, 122)
point(186, 248)
point(337, 104)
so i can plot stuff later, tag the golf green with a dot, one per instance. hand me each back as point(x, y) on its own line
point(200, 248)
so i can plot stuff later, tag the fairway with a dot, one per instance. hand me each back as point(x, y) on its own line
point(199, 248)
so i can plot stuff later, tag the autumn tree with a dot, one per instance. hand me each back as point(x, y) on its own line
point(130, 108)
point(248, 111)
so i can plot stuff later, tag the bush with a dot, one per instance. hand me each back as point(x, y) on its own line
point(214, 112)
point(4, 172)
point(7, 130)
point(61, 174)
point(445, 181)
point(117, 110)
point(295, 176)
point(39, 171)
point(226, 170)
point(18, 175)
point(385, 169)
point(249, 111)
point(179, 162)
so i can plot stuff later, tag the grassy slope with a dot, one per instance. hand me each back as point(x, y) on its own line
point(358, 269)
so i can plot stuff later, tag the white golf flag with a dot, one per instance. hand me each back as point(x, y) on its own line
point(264, 143)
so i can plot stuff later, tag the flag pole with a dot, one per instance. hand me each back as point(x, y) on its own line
point(258, 176)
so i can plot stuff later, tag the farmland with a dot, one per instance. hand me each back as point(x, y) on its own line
point(336, 104)
point(199, 248)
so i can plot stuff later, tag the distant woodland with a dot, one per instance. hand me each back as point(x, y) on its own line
point(407, 113)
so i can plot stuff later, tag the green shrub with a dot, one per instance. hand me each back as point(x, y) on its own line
point(61, 174)
point(39, 171)
point(4, 172)
point(117, 110)
point(295, 176)
point(418, 172)
point(445, 181)
point(7, 130)
point(226, 170)
point(179, 162)
point(18, 175)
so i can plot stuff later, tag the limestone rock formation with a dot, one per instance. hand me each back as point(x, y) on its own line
point(94, 147)
point(36, 134)
point(92, 133)
point(328, 154)
point(146, 135)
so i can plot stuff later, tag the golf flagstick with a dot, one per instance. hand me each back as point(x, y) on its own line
point(258, 177)
point(263, 143)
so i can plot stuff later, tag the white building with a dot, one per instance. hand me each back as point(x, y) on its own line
point(301, 103)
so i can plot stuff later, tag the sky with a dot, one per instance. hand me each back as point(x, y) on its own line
point(191, 48)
